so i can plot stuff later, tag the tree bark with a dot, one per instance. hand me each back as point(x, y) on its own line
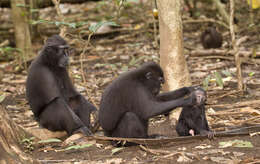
point(171, 50)
point(10, 134)
point(43, 3)
point(21, 28)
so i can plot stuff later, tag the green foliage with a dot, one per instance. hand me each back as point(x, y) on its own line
point(34, 10)
point(7, 53)
point(95, 27)
point(58, 23)
point(22, 5)
point(251, 74)
point(2, 98)
point(217, 78)
point(134, 61)
point(51, 140)
point(78, 146)
point(30, 140)
point(116, 150)
point(28, 144)
point(119, 2)
point(206, 82)
point(236, 143)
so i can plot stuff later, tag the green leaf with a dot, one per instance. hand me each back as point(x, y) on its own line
point(78, 146)
point(132, 61)
point(51, 140)
point(85, 145)
point(95, 27)
point(2, 98)
point(254, 53)
point(116, 150)
point(57, 23)
point(206, 82)
point(73, 147)
point(34, 10)
point(251, 74)
point(135, 61)
point(20, 5)
point(79, 24)
point(39, 21)
point(28, 139)
point(235, 143)
point(219, 79)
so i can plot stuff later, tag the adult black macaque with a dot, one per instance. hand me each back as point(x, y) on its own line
point(130, 100)
point(55, 102)
point(211, 38)
point(192, 120)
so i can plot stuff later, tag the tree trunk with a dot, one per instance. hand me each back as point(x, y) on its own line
point(10, 135)
point(43, 3)
point(171, 50)
point(21, 28)
point(33, 16)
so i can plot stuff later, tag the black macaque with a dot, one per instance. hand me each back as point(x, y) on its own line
point(52, 97)
point(223, 1)
point(211, 38)
point(192, 120)
point(131, 99)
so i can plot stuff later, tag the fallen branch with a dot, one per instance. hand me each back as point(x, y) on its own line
point(45, 3)
point(229, 133)
point(155, 151)
point(222, 52)
point(238, 104)
point(206, 21)
point(226, 94)
point(243, 59)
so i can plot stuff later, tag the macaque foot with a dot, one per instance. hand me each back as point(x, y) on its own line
point(191, 132)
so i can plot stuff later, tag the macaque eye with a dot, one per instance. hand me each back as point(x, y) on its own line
point(161, 79)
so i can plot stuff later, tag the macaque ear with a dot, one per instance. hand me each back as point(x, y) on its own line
point(148, 75)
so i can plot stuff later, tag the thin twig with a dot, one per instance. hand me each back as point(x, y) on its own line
point(222, 11)
point(226, 94)
point(222, 52)
point(63, 28)
point(4, 43)
point(82, 69)
point(240, 85)
point(206, 21)
point(154, 151)
point(238, 104)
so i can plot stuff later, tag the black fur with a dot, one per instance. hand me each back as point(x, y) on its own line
point(54, 101)
point(194, 118)
point(130, 100)
point(211, 38)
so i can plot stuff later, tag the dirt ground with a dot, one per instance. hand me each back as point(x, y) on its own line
point(123, 48)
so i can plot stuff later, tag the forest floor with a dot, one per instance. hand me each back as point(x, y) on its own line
point(116, 50)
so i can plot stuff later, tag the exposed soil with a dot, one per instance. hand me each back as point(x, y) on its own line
point(126, 47)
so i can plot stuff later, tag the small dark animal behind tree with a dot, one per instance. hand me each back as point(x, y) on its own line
point(54, 101)
point(192, 120)
point(211, 38)
point(130, 100)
